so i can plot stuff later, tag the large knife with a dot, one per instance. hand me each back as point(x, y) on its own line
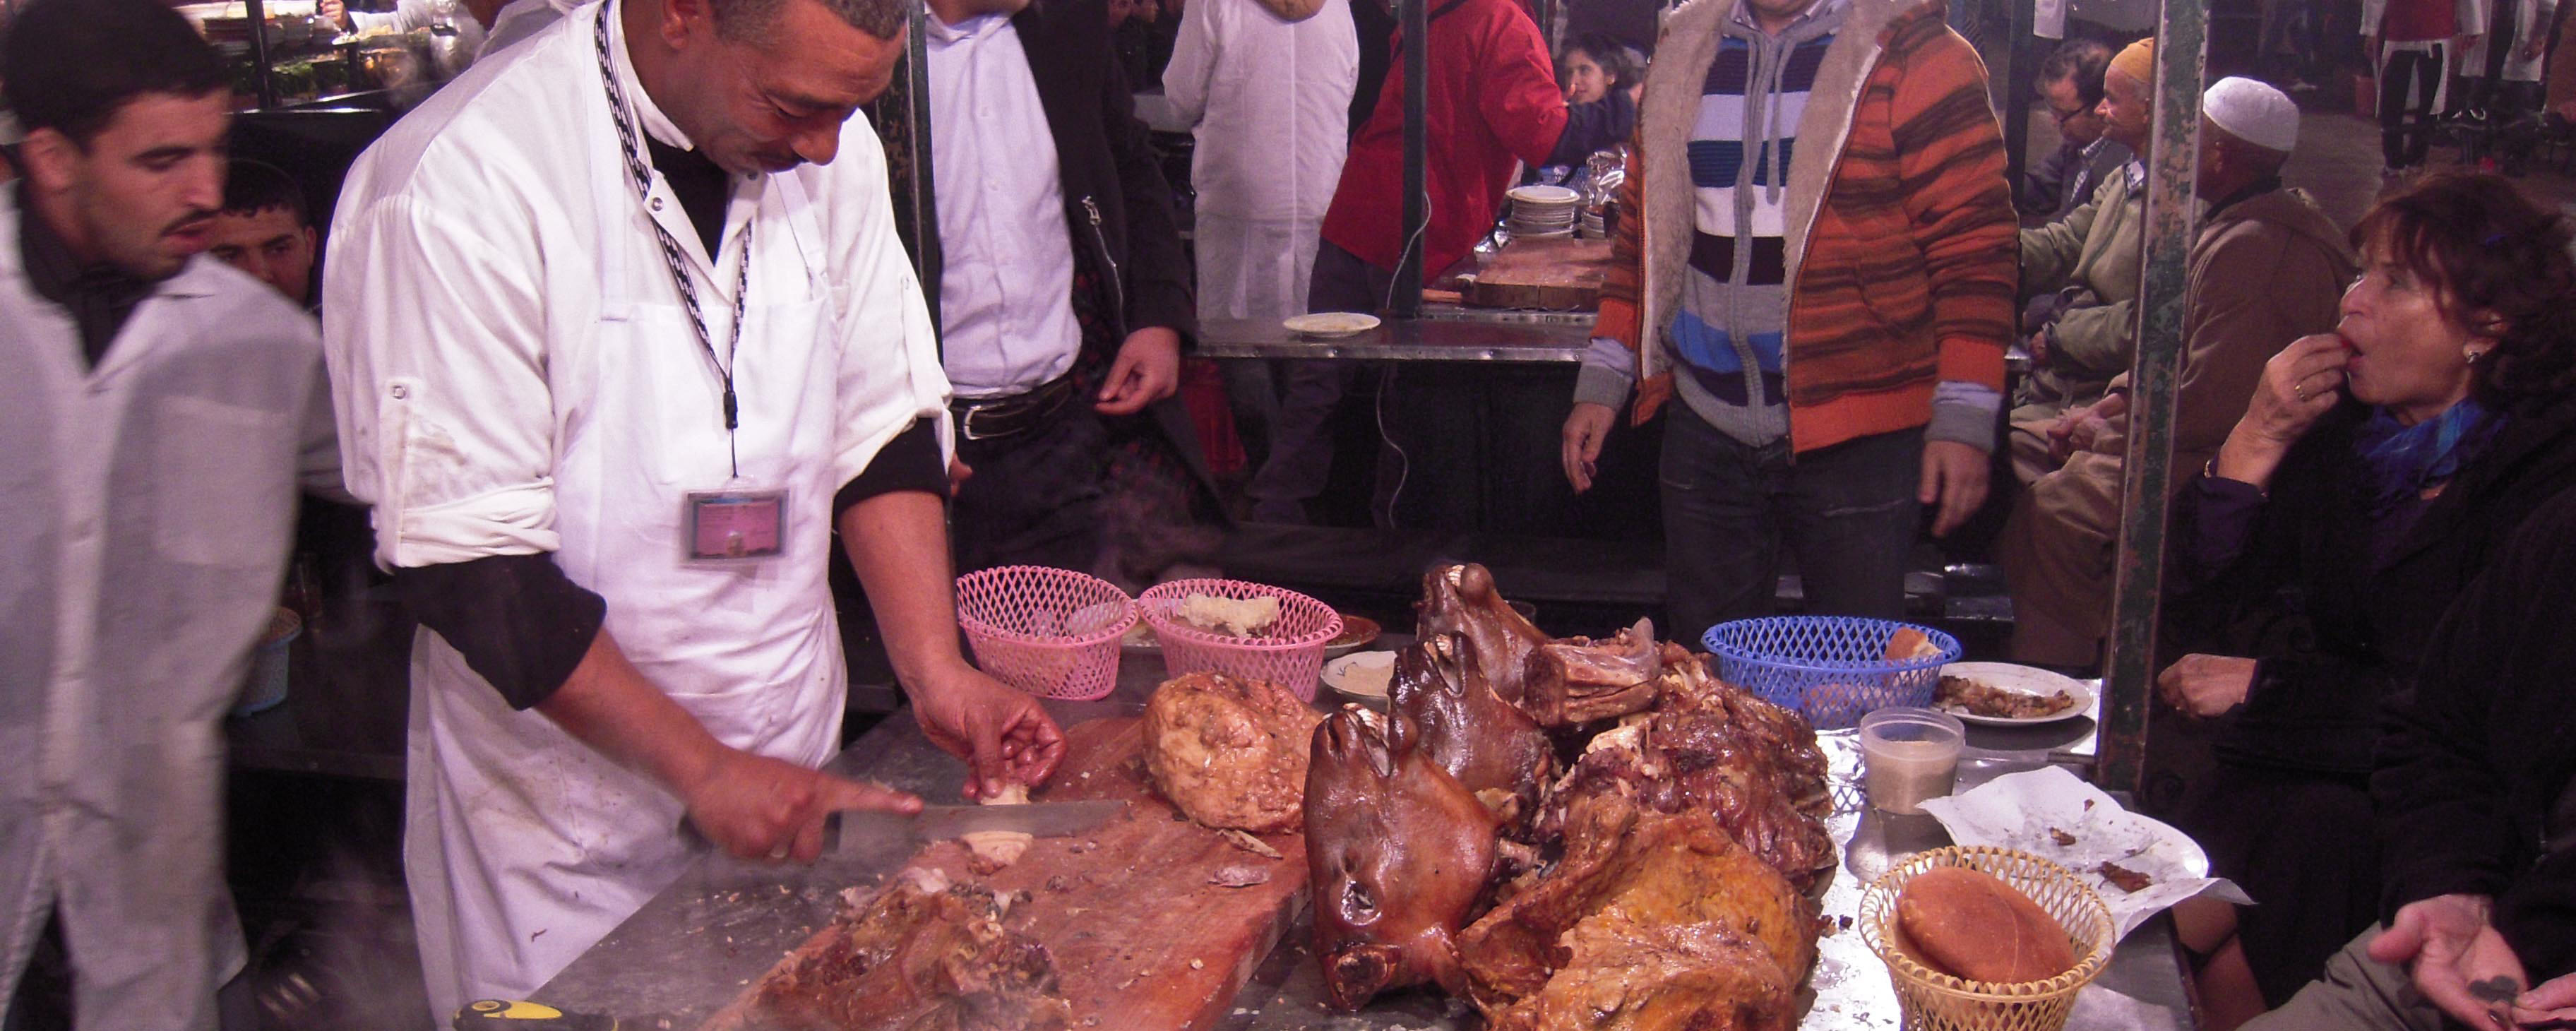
point(853, 830)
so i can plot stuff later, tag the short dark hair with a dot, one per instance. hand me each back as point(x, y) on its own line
point(2084, 58)
point(251, 187)
point(2486, 248)
point(748, 21)
point(71, 65)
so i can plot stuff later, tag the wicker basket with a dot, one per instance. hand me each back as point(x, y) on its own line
point(1292, 656)
point(1832, 669)
point(1935, 1001)
point(1049, 632)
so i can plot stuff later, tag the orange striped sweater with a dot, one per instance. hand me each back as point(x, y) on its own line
point(1901, 246)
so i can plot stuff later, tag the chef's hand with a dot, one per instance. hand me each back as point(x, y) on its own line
point(2447, 945)
point(757, 807)
point(1148, 369)
point(1002, 733)
point(1954, 477)
point(1585, 428)
point(2555, 1000)
point(2206, 685)
point(335, 10)
point(2298, 387)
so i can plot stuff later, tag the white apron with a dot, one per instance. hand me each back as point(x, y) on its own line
point(524, 846)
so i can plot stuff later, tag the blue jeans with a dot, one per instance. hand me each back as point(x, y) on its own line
point(1848, 511)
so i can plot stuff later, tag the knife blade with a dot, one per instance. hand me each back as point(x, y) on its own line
point(852, 830)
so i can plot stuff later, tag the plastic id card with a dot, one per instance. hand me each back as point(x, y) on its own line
point(734, 525)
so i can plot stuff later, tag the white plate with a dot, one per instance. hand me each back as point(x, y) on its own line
point(1337, 675)
point(1541, 194)
point(1331, 323)
point(2019, 680)
point(1140, 639)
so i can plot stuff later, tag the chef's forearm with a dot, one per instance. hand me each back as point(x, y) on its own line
point(898, 544)
point(608, 705)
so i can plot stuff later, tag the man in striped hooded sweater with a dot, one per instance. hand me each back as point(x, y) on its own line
point(1818, 257)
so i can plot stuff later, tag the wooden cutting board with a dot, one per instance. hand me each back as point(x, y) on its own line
point(1142, 939)
point(1556, 274)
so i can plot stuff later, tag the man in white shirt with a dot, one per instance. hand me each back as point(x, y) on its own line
point(1268, 89)
point(1063, 294)
point(618, 345)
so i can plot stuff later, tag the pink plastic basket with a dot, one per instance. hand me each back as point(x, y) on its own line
point(1291, 657)
point(1049, 632)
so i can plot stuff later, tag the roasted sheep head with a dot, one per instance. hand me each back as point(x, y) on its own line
point(1462, 599)
point(1489, 744)
point(1710, 748)
point(1578, 680)
point(1401, 854)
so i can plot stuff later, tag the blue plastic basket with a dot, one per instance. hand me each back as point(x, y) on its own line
point(1831, 668)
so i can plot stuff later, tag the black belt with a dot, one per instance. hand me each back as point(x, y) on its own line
point(988, 418)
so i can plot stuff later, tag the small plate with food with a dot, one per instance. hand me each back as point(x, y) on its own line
point(1331, 325)
point(1140, 640)
point(1357, 632)
point(1362, 677)
point(2002, 694)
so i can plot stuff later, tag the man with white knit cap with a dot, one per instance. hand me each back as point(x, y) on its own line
point(2268, 267)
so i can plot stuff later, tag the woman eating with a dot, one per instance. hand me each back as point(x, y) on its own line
point(2374, 472)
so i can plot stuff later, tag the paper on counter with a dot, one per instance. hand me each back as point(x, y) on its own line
point(2018, 810)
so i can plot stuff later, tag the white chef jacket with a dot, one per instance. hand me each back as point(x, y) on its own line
point(520, 19)
point(515, 374)
point(1271, 101)
point(1006, 255)
point(147, 508)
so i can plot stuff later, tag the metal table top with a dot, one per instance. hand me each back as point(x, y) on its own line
point(1444, 335)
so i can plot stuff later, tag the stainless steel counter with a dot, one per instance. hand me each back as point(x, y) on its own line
point(1446, 334)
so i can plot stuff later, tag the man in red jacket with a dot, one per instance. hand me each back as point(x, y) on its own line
point(1492, 105)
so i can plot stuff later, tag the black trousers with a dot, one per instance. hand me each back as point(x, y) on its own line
point(1036, 496)
point(2406, 87)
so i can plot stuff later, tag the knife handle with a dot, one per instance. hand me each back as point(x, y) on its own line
point(521, 1015)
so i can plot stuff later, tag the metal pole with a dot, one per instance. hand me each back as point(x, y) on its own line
point(924, 221)
point(1407, 295)
point(257, 12)
point(2173, 163)
point(2019, 33)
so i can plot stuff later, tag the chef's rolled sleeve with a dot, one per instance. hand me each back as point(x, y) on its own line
point(909, 462)
point(890, 377)
point(438, 365)
point(518, 620)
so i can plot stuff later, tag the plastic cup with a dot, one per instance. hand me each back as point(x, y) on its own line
point(1909, 755)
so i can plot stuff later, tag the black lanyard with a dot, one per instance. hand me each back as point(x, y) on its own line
point(632, 150)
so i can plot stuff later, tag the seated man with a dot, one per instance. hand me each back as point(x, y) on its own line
point(2473, 798)
point(2080, 274)
point(2268, 268)
point(2071, 81)
point(265, 230)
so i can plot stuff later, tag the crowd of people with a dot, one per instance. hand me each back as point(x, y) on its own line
point(619, 342)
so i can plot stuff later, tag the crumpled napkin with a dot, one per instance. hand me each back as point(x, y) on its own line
point(2019, 810)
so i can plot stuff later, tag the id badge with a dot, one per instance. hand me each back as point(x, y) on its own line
point(734, 525)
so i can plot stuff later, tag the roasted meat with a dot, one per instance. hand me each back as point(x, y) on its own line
point(1578, 679)
point(1400, 852)
point(1492, 747)
point(1711, 748)
point(1639, 869)
point(1462, 599)
point(1623, 975)
point(1230, 752)
point(920, 957)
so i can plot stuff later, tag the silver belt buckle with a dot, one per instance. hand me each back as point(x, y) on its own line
point(966, 422)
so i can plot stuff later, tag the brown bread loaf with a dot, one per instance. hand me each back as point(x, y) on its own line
point(1968, 924)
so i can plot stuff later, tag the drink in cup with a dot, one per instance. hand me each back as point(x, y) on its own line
point(1909, 755)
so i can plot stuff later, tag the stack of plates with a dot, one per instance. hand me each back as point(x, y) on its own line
point(1592, 224)
point(1543, 211)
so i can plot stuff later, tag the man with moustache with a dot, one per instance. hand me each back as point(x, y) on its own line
point(159, 410)
point(619, 345)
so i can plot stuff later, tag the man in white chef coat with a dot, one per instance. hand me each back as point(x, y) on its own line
point(158, 411)
point(617, 345)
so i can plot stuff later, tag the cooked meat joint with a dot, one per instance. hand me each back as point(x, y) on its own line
point(919, 958)
point(1230, 752)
